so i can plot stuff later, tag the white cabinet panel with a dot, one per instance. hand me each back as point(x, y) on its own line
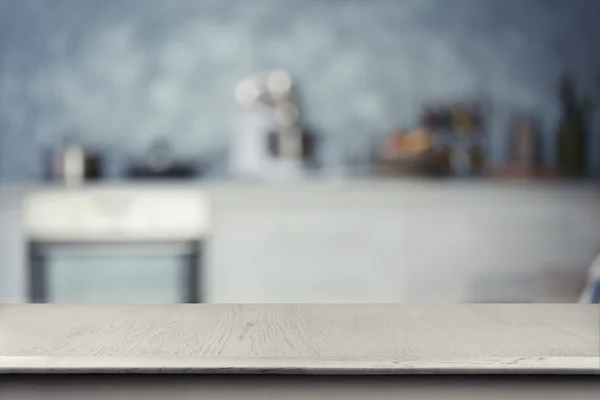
point(467, 247)
point(12, 246)
point(309, 255)
point(454, 253)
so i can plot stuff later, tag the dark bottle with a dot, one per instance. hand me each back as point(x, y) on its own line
point(572, 131)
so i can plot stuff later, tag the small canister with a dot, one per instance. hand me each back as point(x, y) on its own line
point(525, 148)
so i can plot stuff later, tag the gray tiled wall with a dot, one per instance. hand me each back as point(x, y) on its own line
point(122, 72)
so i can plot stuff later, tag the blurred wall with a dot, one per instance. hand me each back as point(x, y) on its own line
point(121, 72)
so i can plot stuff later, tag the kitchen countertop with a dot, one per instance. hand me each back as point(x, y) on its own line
point(300, 339)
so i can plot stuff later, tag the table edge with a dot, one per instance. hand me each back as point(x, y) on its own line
point(299, 366)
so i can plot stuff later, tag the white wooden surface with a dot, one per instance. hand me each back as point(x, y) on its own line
point(306, 339)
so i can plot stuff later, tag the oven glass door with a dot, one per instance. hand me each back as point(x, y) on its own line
point(114, 273)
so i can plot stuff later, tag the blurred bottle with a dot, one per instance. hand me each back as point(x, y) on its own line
point(429, 119)
point(525, 145)
point(463, 121)
point(478, 160)
point(572, 131)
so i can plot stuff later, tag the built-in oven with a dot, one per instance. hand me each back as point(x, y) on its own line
point(116, 244)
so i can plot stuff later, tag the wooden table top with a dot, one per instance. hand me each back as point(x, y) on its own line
point(302, 339)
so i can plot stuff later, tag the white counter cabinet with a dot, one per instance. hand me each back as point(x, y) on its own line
point(373, 242)
point(403, 242)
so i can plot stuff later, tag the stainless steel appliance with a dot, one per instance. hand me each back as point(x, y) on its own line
point(74, 163)
point(160, 163)
point(116, 244)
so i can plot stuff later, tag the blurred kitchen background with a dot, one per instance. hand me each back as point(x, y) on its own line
point(299, 151)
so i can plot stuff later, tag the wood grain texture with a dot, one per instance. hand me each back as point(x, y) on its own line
point(309, 339)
